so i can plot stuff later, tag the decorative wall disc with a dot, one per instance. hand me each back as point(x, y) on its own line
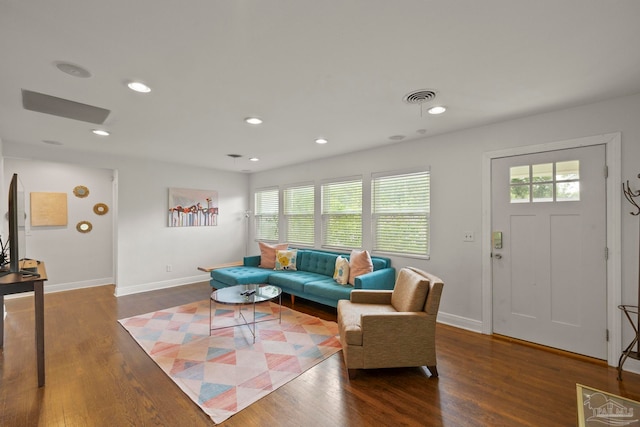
point(81, 191)
point(84, 226)
point(100, 209)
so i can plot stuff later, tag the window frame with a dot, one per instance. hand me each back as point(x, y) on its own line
point(378, 212)
point(260, 235)
point(328, 217)
point(288, 217)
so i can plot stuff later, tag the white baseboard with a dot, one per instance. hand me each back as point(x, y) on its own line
point(154, 286)
point(59, 287)
point(460, 322)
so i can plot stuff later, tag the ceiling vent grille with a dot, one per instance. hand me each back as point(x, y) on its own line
point(60, 107)
point(420, 96)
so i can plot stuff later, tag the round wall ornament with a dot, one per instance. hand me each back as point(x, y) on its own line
point(84, 226)
point(81, 191)
point(100, 209)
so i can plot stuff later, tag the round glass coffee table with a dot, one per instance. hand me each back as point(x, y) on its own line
point(245, 298)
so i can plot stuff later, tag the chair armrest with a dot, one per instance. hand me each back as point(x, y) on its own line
point(362, 296)
point(379, 279)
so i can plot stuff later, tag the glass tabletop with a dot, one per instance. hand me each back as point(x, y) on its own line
point(238, 294)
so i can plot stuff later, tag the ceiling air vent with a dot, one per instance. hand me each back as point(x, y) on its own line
point(420, 96)
point(60, 107)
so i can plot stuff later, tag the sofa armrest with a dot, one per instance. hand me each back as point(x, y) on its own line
point(379, 279)
point(251, 261)
point(367, 296)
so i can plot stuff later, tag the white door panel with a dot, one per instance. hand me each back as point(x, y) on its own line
point(549, 278)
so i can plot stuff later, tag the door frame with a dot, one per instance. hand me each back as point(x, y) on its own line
point(612, 142)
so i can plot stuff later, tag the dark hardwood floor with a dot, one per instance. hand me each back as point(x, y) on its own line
point(96, 375)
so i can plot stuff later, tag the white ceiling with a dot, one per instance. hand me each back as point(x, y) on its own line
point(309, 68)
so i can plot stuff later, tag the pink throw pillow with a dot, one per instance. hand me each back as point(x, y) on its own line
point(359, 264)
point(268, 254)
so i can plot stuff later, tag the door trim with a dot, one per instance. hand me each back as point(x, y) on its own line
point(612, 142)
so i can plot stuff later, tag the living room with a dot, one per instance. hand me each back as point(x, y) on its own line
point(137, 251)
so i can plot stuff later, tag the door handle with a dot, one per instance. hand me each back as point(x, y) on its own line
point(497, 256)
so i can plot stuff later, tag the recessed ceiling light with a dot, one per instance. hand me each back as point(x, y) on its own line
point(396, 137)
point(254, 159)
point(101, 132)
point(234, 156)
point(253, 120)
point(139, 87)
point(51, 142)
point(438, 109)
point(321, 141)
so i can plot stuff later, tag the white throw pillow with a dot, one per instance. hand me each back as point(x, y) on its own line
point(341, 272)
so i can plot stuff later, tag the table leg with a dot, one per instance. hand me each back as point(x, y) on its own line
point(39, 315)
point(1, 321)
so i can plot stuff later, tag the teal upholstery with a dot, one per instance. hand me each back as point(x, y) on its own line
point(313, 278)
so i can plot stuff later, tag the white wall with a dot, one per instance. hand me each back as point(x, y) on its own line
point(73, 259)
point(144, 244)
point(456, 187)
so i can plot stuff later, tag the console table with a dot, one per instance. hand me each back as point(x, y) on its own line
point(14, 283)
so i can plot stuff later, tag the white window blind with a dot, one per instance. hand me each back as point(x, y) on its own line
point(266, 214)
point(299, 214)
point(401, 210)
point(342, 214)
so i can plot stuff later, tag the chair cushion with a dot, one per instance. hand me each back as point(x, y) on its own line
point(410, 291)
point(350, 318)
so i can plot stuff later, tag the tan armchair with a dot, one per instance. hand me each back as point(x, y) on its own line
point(389, 329)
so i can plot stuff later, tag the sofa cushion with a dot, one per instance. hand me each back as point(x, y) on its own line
point(294, 280)
point(327, 288)
point(359, 264)
point(317, 262)
point(232, 276)
point(410, 291)
point(268, 253)
point(341, 272)
point(286, 260)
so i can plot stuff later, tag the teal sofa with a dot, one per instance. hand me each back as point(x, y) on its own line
point(312, 279)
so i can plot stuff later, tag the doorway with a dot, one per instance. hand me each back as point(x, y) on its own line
point(544, 297)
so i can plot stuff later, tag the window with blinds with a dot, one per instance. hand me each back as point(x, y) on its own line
point(342, 214)
point(299, 214)
point(266, 214)
point(400, 213)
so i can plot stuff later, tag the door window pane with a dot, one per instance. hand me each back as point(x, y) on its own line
point(542, 192)
point(568, 170)
point(520, 194)
point(542, 173)
point(568, 191)
point(519, 174)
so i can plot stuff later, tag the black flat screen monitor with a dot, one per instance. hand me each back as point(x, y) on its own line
point(16, 217)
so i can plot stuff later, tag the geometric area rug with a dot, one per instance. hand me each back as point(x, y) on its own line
point(226, 372)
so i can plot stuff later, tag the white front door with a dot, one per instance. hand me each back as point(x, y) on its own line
point(549, 270)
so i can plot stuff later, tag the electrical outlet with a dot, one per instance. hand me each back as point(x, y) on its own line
point(468, 236)
point(169, 268)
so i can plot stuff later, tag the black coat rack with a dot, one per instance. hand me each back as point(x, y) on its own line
point(631, 196)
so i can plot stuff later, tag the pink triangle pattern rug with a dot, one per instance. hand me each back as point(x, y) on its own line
point(226, 372)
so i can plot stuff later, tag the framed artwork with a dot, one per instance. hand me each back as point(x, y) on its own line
point(192, 208)
point(48, 209)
